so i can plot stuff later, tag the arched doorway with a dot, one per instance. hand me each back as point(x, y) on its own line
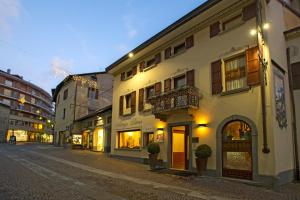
point(237, 148)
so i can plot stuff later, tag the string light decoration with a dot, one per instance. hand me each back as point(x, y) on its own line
point(22, 100)
point(85, 81)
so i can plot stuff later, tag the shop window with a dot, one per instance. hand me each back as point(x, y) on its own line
point(179, 82)
point(130, 140)
point(65, 94)
point(148, 138)
point(235, 73)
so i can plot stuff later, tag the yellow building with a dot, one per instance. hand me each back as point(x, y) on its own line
point(216, 76)
point(77, 96)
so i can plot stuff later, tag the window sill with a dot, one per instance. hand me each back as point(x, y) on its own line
point(244, 89)
point(126, 115)
point(128, 149)
point(177, 54)
point(127, 78)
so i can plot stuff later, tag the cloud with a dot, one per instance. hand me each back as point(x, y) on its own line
point(131, 30)
point(61, 67)
point(9, 10)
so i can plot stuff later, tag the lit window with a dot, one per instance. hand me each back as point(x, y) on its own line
point(130, 139)
point(179, 82)
point(235, 73)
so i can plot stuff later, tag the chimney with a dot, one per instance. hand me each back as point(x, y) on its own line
point(8, 71)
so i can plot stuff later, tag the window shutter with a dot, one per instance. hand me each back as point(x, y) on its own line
point(216, 77)
point(189, 42)
point(134, 70)
point(214, 29)
point(122, 76)
point(190, 80)
point(121, 106)
point(296, 75)
point(168, 52)
point(142, 66)
point(141, 99)
point(167, 85)
point(97, 94)
point(249, 12)
point(253, 66)
point(158, 58)
point(133, 104)
point(157, 88)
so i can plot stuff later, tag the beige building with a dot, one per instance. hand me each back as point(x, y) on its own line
point(217, 76)
point(77, 96)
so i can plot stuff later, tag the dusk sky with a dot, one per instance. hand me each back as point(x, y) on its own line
point(42, 40)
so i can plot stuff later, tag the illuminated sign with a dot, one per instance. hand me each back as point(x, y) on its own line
point(77, 139)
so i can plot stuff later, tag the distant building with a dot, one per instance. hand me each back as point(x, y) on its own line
point(216, 76)
point(77, 96)
point(4, 120)
point(31, 113)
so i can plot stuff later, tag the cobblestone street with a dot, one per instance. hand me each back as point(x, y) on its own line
point(35, 171)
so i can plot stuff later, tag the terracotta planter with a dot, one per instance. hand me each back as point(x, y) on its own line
point(153, 160)
point(201, 165)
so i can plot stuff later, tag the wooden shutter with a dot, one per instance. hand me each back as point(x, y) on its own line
point(122, 76)
point(141, 99)
point(249, 12)
point(134, 70)
point(189, 42)
point(167, 85)
point(216, 77)
point(157, 58)
point(133, 100)
point(168, 52)
point(142, 66)
point(296, 75)
point(190, 78)
point(121, 106)
point(214, 29)
point(157, 88)
point(97, 94)
point(253, 66)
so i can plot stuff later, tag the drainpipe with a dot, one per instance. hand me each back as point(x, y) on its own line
point(294, 127)
point(263, 67)
point(75, 99)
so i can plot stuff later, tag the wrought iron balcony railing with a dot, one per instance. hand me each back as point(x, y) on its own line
point(184, 97)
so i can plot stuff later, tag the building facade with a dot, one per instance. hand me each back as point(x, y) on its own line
point(216, 76)
point(93, 131)
point(31, 113)
point(4, 120)
point(77, 96)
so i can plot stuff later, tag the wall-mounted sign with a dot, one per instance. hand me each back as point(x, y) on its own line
point(159, 136)
point(280, 105)
point(77, 139)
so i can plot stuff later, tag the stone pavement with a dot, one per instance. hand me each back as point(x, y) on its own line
point(91, 175)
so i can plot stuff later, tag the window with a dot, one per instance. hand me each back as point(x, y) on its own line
point(14, 94)
point(130, 140)
point(65, 94)
point(148, 138)
point(108, 120)
point(128, 100)
point(235, 73)
point(179, 48)
point(150, 92)
point(7, 92)
point(64, 114)
point(129, 73)
point(179, 82)
point(32, 100)
point(6, 101)
point(150, 62)
point(93, 93)
point(8, 83)
point(58, 98)
point(232, 23)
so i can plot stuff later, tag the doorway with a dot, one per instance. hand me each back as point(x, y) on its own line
point(237, 150)
point(179, 147)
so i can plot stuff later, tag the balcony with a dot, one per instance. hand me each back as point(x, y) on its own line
point(182, 98)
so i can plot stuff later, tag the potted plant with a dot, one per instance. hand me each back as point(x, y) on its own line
point(153, 150)
point(202, 152)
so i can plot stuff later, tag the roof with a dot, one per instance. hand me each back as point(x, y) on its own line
point(97, 112)
point(68, 78)
point(194, 13)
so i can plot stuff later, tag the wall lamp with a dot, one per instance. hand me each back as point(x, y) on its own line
point(160, 129)
point(201, 125)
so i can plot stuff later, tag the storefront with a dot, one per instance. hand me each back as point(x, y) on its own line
point(28, 136)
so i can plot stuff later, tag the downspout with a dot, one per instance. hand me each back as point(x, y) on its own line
point(263, 67)
point(294, 126)
point(75, 100)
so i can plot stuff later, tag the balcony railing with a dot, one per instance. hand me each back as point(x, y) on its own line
point(184, 97)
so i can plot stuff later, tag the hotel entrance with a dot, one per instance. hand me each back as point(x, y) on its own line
point(180, 147)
